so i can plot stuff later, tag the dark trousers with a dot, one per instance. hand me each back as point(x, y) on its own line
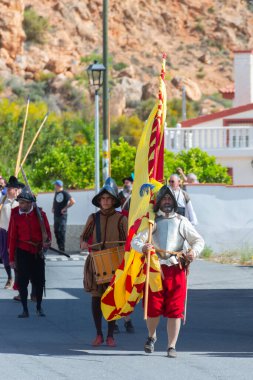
point(97, 317)
point(60, 225)
point(30, 267)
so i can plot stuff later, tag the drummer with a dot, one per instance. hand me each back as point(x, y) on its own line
point(105, 226)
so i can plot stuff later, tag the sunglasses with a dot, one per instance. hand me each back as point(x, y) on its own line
point(171, 181)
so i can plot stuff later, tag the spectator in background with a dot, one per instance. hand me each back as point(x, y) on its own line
point(189, 178)
point(3, 189)
point(8, 202)
point(62, 201)
point(185, 207)
point(125, 195)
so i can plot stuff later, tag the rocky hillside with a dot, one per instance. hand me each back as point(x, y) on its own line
point(198, 36)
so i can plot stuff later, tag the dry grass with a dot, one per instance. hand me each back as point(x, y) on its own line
point(243, 256)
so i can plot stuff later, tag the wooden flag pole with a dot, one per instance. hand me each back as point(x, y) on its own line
point(33, 141)
point(21, 144)
point(150, 230)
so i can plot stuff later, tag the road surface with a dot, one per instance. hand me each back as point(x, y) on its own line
point(215, 344)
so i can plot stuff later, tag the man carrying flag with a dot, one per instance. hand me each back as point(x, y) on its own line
point(127, 287)
point(171, 232)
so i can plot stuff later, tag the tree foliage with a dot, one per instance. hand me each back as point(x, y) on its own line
point(68, 126)
point(198, 162)
point(122, 160)
point(65, 149)
point(129, 128)
point(73, 164)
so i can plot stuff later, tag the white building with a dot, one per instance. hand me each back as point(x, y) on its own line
point(227, 134)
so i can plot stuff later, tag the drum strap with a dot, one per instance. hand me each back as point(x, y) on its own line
point(98, 226)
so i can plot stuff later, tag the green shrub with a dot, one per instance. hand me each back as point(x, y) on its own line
point(119, 66)
point(199, 27)
point(130, 128)
point(35, 26)
point(199, 162)
point(207, 253)
point(201, 74)
point(250, 5)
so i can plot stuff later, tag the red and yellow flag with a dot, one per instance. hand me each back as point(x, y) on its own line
point(125, 290)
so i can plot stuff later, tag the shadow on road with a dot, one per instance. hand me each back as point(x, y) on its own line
point(219, 324)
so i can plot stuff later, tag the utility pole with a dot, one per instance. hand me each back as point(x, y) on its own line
point(184, 116)
point(106, 148)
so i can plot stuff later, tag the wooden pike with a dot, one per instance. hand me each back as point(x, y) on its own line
point(21, 144)
point(33, 141)
point(151, 223)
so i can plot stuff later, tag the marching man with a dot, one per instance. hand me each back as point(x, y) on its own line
point(25, 243)
point(171, 233)
point(106, 229)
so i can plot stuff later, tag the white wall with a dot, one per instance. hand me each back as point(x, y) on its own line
point(225, 214)
point(77, 214)
point(242, 169)
point(243, 74)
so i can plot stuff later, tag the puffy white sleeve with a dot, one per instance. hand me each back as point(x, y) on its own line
point(139, 241)
point(190, 213)
point(193, 238)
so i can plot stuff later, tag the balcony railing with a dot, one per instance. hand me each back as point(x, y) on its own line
point(214, 138)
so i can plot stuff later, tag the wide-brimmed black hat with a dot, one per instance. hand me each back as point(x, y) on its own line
point(110, 188)
point(130, 178)
point(161, 193)
point(25, 195)
point(14, 183)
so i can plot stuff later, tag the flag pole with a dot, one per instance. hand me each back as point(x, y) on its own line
point(21, 144)
point(33, 141)
point(150, 230)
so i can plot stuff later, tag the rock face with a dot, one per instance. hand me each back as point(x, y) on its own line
point(12, 34)
point(192, 89)
point(193, 34)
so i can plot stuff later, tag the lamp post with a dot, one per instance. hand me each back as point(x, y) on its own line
point(106, 134)
point(95, 75)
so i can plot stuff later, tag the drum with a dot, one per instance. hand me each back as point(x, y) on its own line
point(106, 262)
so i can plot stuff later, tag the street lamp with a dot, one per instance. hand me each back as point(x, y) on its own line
point(95, 75)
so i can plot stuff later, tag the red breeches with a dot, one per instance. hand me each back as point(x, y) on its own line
point(169, 302)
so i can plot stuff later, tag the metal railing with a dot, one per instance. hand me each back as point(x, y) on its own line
point(207, 138)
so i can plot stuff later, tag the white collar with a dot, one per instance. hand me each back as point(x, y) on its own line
point(161, 213)
point(24, 212)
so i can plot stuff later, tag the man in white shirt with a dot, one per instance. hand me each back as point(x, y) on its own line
point(8, 202)
point(171, 233)
point(184, 204)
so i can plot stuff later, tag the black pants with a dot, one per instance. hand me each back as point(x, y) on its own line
point(60, 224)
point(97, 317)
point(30, 267)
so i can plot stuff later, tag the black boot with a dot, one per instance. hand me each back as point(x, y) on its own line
point(129, 327)
point(40, 312)
point(25, 314)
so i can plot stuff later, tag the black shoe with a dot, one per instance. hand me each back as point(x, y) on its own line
point(40, 313)
point(129, 327)
point(116, 329)
point(172, 353)
point(25, 314)
point(149, 346)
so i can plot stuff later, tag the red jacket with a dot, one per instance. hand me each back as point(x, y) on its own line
point(24, 228)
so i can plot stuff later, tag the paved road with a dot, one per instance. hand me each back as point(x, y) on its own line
point(216, 343)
